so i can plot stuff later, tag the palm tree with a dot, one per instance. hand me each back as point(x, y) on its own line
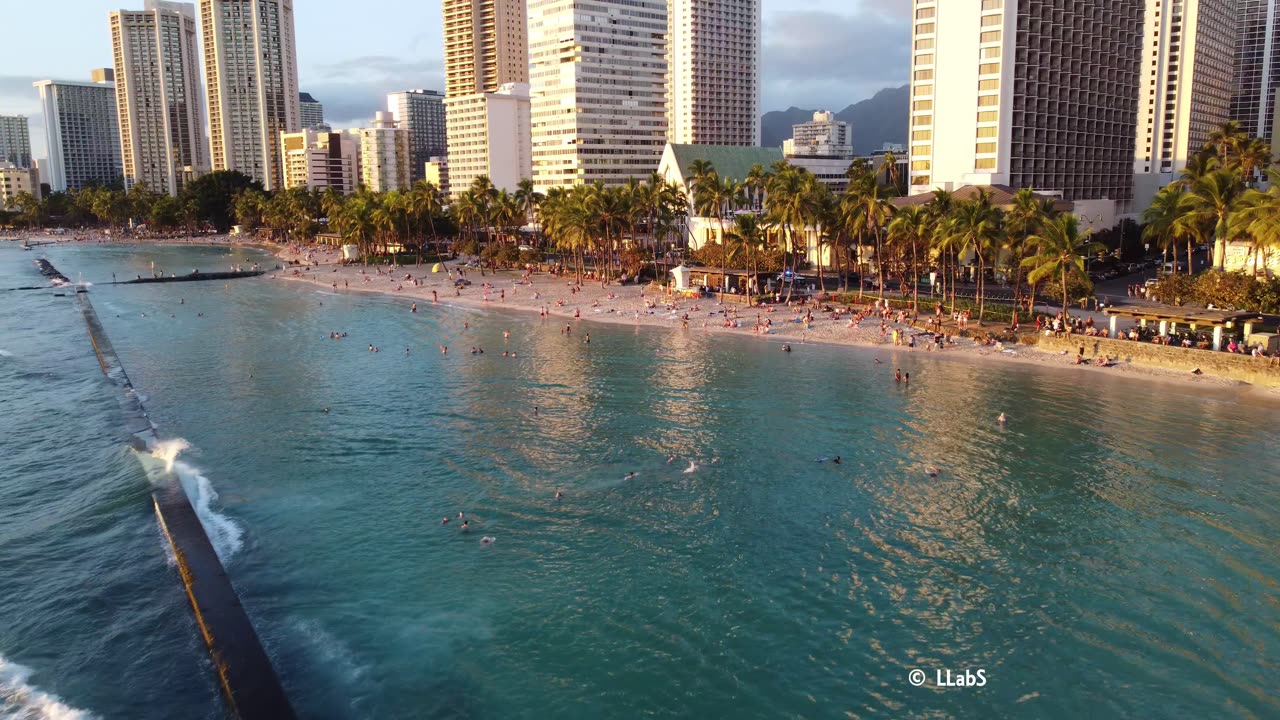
point(976, 225)
point(1063, 252)
point(911, 226)
point(867, 205)
point(748, 231)
point(426, 202)
point(1024, 218)
point(529, 199)
point(788, 201)
point(713, 197)
point(1212, 199)
point(1258, 218)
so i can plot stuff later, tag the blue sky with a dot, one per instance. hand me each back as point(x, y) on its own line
point(817, 53)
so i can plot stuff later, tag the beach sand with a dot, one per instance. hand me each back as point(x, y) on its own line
point(651, 306)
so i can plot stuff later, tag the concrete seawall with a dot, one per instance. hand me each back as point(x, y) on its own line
point(1255, 371)
point(248, 681)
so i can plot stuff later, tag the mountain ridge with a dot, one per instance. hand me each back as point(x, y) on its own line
point(879, 119)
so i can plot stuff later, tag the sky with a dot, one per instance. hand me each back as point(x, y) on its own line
point(821, 54)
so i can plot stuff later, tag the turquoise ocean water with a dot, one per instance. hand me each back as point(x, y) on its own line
point(1111, 552)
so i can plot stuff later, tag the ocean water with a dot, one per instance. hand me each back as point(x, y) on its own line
point(1110, 552)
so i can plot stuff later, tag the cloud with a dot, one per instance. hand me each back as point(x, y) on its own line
point(819, 58)
point(353, 90)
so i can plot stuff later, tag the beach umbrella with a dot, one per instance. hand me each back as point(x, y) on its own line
point(438, 267)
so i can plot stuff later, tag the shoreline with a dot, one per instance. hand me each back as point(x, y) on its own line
point(626, 305)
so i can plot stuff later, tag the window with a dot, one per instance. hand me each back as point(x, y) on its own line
point(924, 59)
point(922, 120)
point(922, 105)
point(922, 90)
point(988, 116)
point(924, 13)
point(921, 164)
point(985, 164)
point(989, 53)
point(923, 75)
point(924, 135)
point(989, 69)
point(985, 148)
point(989, 36)
point(992, 4)
point(988, 101)
point(988, 132)
point(991, 20)
point(920, 180)
point(922, 151)
point(924, 28)
point(992, 84)
point(924, 44)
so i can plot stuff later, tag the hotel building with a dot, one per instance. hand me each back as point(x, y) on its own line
point(311, 113)
point(81, 132)
point(598, 85)
point(319, 160)
point(422, 114)
point(1034, 93)
point(384, 155)
point(251, 76)
point(15, 140)
point(1184, 87)
point(486, 49)
point(1257, 68)
point(713, 72)
point(158, 99)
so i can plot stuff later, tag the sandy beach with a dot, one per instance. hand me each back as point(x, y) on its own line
point(653, 307)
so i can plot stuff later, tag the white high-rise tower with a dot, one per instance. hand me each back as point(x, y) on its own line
point(251, 75)
point(158, 97)
point(1026, 93)
point(598, 85)
point(713, 72)
point(1184, 87)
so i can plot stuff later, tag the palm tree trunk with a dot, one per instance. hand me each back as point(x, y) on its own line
point(1064, 292)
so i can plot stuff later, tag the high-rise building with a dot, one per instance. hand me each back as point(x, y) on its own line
point(15, 140)
point(16, 180)
point(251, 75)
point(311, 113)
point(1034, 93)
point(422, 114)
point(491, 137)
point(384, 155)
point(1257, 68)
point(1184, 87)
point(158, 98)
point(713, 72)
point(321, 160)
point(81, 132)
point(598, 86)
point(823, 136)
point(486, 49)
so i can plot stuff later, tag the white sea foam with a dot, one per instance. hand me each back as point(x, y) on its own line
point(21, 701)
point(5, 353)
point(227, 537)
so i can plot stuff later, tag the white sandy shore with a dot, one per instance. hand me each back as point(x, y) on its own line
point(630, 305)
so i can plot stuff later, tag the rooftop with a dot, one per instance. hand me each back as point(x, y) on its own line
point(1001, 196)
point(730, 161)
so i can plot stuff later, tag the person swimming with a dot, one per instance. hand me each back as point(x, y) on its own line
point(629, 476)
point(897, 376)
point(931, 471)
point(444, 521)
point(836, 460)
point(1002, 419)
point(559, 495)
point(786, 348)
point(460, 515)
point(693, 467)
point(486, 540)
point(671, 459)
point(465, 526)
point(326, 411)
